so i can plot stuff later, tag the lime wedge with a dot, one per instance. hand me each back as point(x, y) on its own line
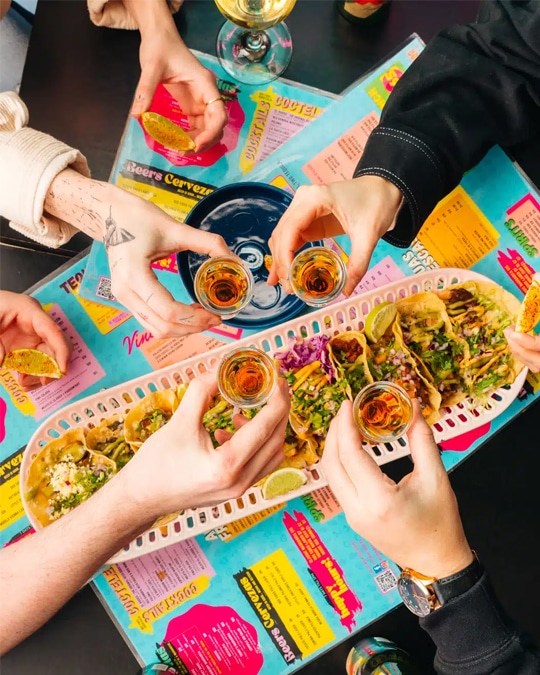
point(282, 481)
point(169, 134)
point(378, 320)
point(32, 362)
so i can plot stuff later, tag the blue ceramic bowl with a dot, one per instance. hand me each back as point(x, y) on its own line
point(244, 214)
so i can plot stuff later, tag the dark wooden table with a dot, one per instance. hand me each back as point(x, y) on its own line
point(78, 83)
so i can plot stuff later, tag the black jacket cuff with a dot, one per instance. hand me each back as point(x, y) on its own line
point(474, 636)
point(411, 166)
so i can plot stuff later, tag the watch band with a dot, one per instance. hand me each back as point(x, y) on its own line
point(451, 587)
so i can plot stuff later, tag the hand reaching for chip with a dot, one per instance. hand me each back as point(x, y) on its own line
point(24, 325)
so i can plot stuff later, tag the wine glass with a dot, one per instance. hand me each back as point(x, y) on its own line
point(254, 45)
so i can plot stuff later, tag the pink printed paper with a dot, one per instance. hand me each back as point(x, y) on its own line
point(164, 103)
point(324, 568)
point(213, 641)
point(83, 371)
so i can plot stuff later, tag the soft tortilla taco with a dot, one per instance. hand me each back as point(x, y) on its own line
point(316, 390)
point(427, 332)
point(63, 475)
point(389, 359)
point(108, 438)
point(219, 416)
point(348, 351)
point(148, 416)
point(480, 311)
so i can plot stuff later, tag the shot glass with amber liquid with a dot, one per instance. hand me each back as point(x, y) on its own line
point(247, 377)
point(383, 412)
point(317, 276)
point(223, 286)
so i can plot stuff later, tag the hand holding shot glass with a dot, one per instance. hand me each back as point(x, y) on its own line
point(383, 412)
point(317, 276)
point(247, 377)
point(224, 285)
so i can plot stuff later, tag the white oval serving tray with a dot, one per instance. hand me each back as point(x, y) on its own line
point(345, 315)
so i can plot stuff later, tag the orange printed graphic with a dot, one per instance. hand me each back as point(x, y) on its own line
point(457, 234)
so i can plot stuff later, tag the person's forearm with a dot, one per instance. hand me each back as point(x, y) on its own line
point(473, 86)
point(150, 15)
point(80, 201)
point(474, 636)
point(39, 574)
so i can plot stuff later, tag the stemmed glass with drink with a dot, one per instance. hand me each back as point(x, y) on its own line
point(254, 45)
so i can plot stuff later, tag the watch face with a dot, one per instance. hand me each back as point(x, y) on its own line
point(414, 596)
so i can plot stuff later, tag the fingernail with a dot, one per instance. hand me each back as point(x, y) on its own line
point(215, 322)
point(508, 333)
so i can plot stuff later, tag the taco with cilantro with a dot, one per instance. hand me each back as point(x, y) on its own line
point(425, 329)
point(64, 474)
point(149, 415)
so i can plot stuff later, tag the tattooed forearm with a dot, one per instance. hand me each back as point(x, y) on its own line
point(115, 235)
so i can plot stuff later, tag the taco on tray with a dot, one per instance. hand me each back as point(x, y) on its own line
point(149, 415)
point(64, 474)
point(426, 330)
point(389, 359)
point(315, 387)
point(108, 438)
point(479, 312)
point(348, 352)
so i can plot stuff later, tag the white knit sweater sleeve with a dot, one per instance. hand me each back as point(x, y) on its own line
point(113, 14)
point(29, 161)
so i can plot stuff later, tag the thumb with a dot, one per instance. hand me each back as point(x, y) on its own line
point(424, 450)
point(144, 94)
point(362, 248)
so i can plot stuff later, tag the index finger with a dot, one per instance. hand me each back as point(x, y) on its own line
point(286, 238)
point(424, 451)
point(192, 239)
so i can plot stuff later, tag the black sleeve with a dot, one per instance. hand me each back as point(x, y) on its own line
point(474, 636)
point(473, 86)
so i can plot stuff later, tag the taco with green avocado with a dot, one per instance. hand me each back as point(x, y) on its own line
point(149, 415)
point(316, 390)
point(479, 312)
point(108, 438)
point(64, 474)
point(348, 352)
point(425, 329)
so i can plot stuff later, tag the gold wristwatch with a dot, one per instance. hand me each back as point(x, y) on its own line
point(423, 595)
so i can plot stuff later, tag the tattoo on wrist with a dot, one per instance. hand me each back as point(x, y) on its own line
point(114, 235)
